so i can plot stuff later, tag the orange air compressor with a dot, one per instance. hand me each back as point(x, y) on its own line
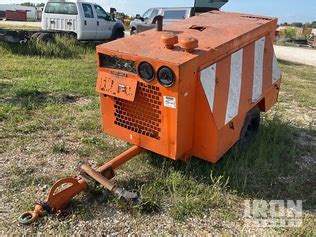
point(192, 89)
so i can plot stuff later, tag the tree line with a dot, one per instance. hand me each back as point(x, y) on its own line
point(300, 24)
point(30, 4)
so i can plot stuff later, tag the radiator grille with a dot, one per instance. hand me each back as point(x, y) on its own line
point(143, 115)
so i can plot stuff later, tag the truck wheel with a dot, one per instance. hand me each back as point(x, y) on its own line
point(250, 128)
point(133, 31)
point(119, 33)
point(35, 36)
point(46, 37)
point(72, 36)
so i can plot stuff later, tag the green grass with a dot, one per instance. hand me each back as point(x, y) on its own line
point(62, 47)
point(6, 26)
point(50, 123)
point(300, 90)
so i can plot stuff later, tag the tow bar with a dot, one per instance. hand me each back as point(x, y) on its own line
point(56, 201)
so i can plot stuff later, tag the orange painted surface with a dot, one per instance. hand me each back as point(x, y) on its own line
point(181, 121)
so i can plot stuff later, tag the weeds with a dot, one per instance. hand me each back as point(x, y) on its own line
point(61, 47)
point(60, 147)
point(289, 32)
point(266, 170)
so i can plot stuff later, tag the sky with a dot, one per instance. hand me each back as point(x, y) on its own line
point(285, 10)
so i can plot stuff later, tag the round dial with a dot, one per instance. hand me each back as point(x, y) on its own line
point(146, 71)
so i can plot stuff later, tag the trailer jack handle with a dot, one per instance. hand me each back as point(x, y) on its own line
point(64, 190)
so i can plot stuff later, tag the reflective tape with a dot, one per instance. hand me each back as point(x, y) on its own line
point(276, 71)
point(234, 85)
point(258, 69)
point(208, 80)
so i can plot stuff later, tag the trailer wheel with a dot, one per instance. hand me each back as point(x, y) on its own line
point(46, 37)
point(250, 128)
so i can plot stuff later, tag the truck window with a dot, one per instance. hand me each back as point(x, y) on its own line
point(175, 14)
point(61, 8)
point(87, 10)
point(147, 14)
point(154, 13)
point(101, 14)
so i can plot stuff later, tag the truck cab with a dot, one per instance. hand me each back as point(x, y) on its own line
point(173, 14)
point(85, 20)
point(145, 22)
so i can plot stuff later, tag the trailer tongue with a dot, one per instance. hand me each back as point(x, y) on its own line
point(24, 36)
point(65, 189)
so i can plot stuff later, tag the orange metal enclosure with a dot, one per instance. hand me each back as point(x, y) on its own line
point(230, 70)
point(187, 90)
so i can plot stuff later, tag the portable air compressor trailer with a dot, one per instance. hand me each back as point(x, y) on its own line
point(194, 88)
point(189, 98)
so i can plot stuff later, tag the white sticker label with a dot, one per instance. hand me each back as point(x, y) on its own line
point(169, 102)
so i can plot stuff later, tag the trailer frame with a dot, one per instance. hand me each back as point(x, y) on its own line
point(23, 36)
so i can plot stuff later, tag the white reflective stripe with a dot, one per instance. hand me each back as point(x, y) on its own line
point(208, 80)
point(258, 69)
point(276, 72)
point(234, 85)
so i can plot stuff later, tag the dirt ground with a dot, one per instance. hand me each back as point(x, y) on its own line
point(296, 54)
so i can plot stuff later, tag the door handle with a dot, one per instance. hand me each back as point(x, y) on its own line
point(98, 23)
point(85, 23)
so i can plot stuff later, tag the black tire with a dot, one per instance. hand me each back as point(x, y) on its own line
point(117, 34)
point(133, 31)
point(250, 128)
point(71, 35)
point(35, 36)
point(46, 37)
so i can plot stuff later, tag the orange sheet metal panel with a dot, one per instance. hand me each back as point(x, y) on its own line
point(232, 70)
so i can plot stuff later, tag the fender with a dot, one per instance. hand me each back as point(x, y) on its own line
point(118, 26)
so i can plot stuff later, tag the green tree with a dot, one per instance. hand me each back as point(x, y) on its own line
point(308, 24)
point(289, 32)
point(40, 5)
point(297, 24)
point(28, 4)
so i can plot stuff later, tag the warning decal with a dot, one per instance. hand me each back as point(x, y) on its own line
point(169, 102)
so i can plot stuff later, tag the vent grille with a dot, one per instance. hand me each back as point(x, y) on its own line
point(257, 17)
point(143, 115)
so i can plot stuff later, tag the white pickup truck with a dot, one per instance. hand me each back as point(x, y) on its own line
point(78, 18)
point(86, 20)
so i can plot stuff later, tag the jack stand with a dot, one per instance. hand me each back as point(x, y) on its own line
point(56, 201)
